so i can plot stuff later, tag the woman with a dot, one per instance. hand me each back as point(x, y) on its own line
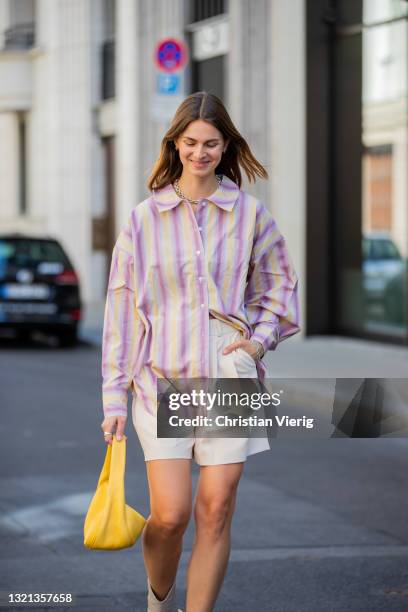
point(201, 285)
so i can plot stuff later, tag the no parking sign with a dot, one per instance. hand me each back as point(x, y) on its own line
point(170, 57)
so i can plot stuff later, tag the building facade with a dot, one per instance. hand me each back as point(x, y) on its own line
point(318, 88)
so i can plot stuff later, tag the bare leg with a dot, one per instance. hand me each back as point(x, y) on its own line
point(170, 507)
point(213, 511)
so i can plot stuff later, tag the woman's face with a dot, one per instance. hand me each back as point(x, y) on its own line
point(200, 148)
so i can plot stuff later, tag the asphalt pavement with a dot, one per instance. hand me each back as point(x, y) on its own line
point(320, 525)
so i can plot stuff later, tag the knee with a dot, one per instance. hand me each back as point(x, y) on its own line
point(171, 522)
point(213, 515)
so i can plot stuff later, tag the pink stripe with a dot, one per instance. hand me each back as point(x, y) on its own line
point(162, 331)
point(241, 225)
point(182, 343)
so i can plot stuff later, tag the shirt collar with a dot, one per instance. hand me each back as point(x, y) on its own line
point(224, 196)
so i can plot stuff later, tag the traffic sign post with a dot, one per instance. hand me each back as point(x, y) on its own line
point(170, 58)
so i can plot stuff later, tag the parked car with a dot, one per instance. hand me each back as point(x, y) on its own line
point(381, 262)
point(396, 297)
point(39, 288)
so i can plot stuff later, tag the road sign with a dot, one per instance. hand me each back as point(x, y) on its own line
point(168, 83)
point(170, 55)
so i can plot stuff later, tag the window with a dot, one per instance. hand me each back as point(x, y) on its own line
point(22, 145)
point(204, 9)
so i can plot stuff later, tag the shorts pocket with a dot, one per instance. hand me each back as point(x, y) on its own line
point(245, 364)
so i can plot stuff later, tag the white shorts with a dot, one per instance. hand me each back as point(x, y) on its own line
point(205, 451)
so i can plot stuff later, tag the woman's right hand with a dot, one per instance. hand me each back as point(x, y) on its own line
point(113, 424)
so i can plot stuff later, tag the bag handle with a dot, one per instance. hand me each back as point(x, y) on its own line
point(115, 461)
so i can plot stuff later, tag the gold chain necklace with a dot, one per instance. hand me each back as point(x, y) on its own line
point(184, 197)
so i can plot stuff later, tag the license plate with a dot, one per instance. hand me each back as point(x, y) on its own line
point(24, 308)
point(14, 291)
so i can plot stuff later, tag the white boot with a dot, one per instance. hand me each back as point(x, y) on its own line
point(168, 604)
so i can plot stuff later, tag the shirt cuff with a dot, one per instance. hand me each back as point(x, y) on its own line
point(267, 334)
point(113, 412)
point(115, 403)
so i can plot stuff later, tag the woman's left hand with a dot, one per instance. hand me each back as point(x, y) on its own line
point(247, 345)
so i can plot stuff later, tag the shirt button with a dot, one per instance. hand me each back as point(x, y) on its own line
point(203, 203)
point(198, 252)
point(200, 229)
point(200, 278)
point(202, 305)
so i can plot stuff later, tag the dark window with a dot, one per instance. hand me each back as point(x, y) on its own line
point(21, 31)
point(108, 49)
point(20, 36)
point(208, 75)
point(384, 249)
point(23, 252)
point(108, 69)
point(203, 9)
point(354, 66)
point(22, 167)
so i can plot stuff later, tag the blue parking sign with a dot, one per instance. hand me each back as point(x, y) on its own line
point(168, 84)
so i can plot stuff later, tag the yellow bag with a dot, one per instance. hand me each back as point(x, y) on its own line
point(111, 524)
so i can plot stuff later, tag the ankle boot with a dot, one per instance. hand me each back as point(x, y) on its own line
point(168, 604)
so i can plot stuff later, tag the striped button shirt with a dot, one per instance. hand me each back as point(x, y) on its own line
point(171, 269)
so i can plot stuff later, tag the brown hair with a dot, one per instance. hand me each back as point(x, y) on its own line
point(205, 106)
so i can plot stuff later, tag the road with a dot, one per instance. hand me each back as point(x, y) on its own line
point(320, 525)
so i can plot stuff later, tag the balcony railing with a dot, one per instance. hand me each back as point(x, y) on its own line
point(108, 69)
point(20, 36)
